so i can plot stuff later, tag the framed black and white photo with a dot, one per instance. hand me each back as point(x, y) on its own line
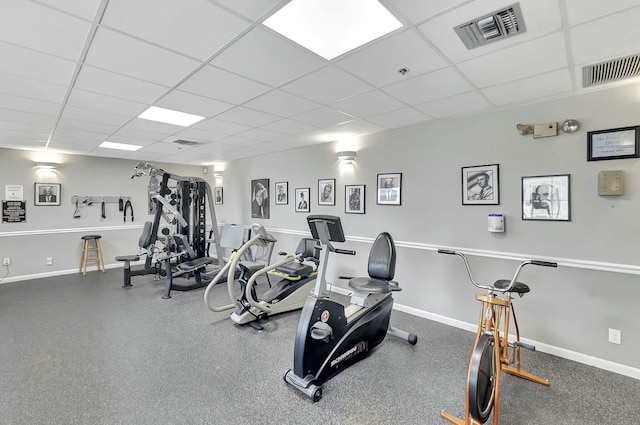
point(481, 185)
point(616, 143)
point(326, 192)
point(219, 195)
point(302, 199)
point(260, 198)
point(546, 198)
point(282, 193)
point(389, 189)
point(354, 199)
point(47, 194)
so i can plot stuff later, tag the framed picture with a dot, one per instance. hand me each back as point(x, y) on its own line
point(354, 199)
point(260, 198)
point(546, 198)
point(47, 194)
point(389, 189)
point(616, 143)
point(282, 193)
point(302, 199)
point(326, 192)
point(218, 193)
point(481, 185)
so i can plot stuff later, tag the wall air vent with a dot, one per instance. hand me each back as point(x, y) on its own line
point(613, 70)
point(492, 27)
point(186, 142)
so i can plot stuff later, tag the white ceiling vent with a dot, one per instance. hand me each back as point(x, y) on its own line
point(613, 70)
point(186, 142)
point(492, 27)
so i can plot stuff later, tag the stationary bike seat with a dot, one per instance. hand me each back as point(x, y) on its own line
point(518, 287)
point(370, 285)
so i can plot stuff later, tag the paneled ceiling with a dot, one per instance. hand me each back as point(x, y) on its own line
point(75, 73)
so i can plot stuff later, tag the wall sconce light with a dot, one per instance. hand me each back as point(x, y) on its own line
point(548, 129)
point(46, 165)
point(346, 157)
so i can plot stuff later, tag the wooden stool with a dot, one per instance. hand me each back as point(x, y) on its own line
point(86, 249)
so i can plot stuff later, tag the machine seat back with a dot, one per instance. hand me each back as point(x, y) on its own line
point(381, 268)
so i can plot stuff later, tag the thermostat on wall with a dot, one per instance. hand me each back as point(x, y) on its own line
point(611, 183)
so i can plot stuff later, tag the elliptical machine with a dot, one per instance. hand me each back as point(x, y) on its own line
point(332, 335)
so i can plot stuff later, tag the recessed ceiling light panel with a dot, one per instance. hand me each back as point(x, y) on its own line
point(168, 116)
point(330, 28)
point(120, 146)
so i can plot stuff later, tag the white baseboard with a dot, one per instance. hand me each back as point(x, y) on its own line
point(10, 279)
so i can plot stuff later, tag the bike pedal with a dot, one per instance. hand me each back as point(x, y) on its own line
point(525, 346)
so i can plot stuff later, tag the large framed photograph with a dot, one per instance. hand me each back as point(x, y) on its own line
point(282, 193)
point(354, 199)
point(546, 198)
point(616, 143)
point(260, 198)
point(219, 195)
point(302, 199)
point(326, 192)
point(47, 194)
point(389, 189)
point(481, 185)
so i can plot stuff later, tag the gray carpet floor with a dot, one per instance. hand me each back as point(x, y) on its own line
point(82, 350)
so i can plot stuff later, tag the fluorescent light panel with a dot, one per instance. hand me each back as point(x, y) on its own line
point(120, 146)
point(330, 28)
point(169, 116)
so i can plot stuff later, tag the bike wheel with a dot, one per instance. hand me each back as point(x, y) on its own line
point(482, 374)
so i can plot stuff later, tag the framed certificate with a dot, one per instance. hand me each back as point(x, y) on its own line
point(616, 143)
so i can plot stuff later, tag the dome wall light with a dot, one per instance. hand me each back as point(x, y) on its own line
point(346, 157)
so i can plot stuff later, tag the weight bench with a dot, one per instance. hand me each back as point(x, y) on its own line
point(192, 264)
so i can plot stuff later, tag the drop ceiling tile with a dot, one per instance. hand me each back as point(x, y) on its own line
point(133, 140)
point(327, 85)
point(167, 148)
point(551, 84)
point(378, 63)
point(223, 85)
point(399, 118)
point(23, 104)
point(246, 116)
point(218, 127)
point(266, 57)
point(455, 105)
point(280, 103)
point(262, 135)
point(580, 11)
point(27, 118)
point(604, 39)
point(355, 128)
point(419, 10)
point(251, 9)
point(26, 87)
point(137, 134)
point(323, 117)
point(102, 103)
point(62, 135)
point(196, 28)
point(239, 141)
point(82, 114)
point(192, 104)
point(541, 17)
point(372, 103)
point(287, 126)
point(513, 63)
point(111, 84)
point(123, 54)
point(424, 88)
point(70, 124)
point(21, 136)
point(24, 23)
point(24, 127)
point(85, 9)
point(70, 148)
point(38, 66)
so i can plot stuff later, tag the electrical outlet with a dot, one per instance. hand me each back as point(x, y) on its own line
point(49, 261)
point(615, 336)
point(6, 261)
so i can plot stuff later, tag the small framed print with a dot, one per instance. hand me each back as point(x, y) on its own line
point(617, 143)
point(260, 198)
point(326, 192)
point(219, 195)
point(302, 199)
point(546, 198)
point(480, 185)
point(354, 199)
point(47, 194)
point(282, 193)
point(389, 189)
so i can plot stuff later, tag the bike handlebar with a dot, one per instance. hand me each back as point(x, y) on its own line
point(491, 287)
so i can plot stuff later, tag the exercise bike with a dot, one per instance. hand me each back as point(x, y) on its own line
point(288, 294)
point(332, 335)
point(492, 352)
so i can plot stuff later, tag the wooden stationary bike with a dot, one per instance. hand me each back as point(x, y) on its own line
point(492, 352)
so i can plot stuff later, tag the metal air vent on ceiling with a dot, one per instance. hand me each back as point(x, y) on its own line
point(492, 27)
point(613, 70)
point(186, 142)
